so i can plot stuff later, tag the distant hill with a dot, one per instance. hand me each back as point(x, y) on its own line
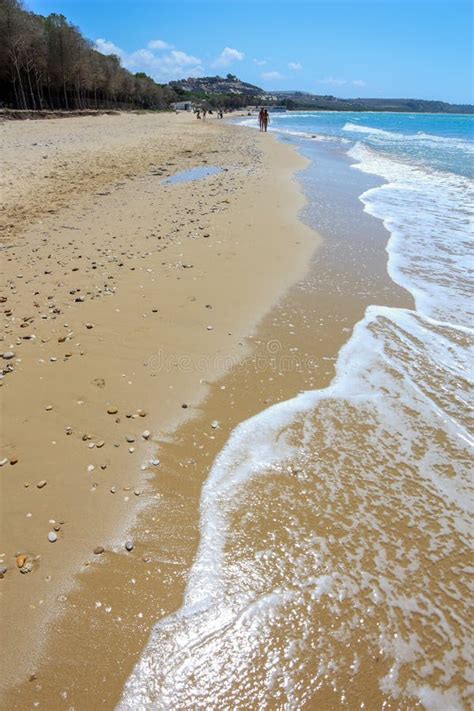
point(299, 99)
point(233, 92)
point(217, 85)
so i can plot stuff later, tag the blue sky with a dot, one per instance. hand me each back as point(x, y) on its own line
point(349, 48)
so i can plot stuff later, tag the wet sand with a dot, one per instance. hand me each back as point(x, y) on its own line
point(215, 330)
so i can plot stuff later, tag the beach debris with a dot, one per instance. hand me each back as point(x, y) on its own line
point(146, 434)
point(3, 572)
point(8, 355)
point(98, 550)
point(52, 537)
point(24, 563)
point(129, 545)
point(41, 484)
point(112, 410)
point(215, 424)
point(184, 406)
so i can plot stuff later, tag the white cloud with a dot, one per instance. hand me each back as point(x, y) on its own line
point(228, 56)
point(106, 47)
point(159, 44)
point(332, 81)
point(163, 67)
point(270, 76)
point(295, 65)
point(358, 82)
point(260, 62)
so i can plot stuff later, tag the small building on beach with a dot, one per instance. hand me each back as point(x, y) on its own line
point(183, 106)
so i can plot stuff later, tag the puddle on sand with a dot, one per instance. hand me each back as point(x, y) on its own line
point(198, 173)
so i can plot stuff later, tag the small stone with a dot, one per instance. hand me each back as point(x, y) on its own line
point(142, 413)
point(98, 550)
point(21, 560)
point(137, 492)
point(48, 408)
point(3, 462)
point(112, 410)
point(3, 571)
point(215, 424)
point(146, 434)
point(209, 328)
point(13, 460)
point(8, 355)
point(57, 527)
point(41, 483)
point(89, 325)
point(130, 439)
point(155, 462)
point(26, 567)
point(100, 444)
point(129, 545)
point(184, 406)
point(52, 537)
point(113, 489)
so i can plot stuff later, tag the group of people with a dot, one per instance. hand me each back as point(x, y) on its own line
point(203, 113)
point(263, 119)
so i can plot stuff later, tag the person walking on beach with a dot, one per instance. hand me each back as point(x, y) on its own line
point(260, 117)
point(266, 120)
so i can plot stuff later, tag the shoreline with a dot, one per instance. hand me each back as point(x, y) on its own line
point(33, 455)
point(159, 565)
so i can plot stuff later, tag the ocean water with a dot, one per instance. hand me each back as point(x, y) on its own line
point(334, 568)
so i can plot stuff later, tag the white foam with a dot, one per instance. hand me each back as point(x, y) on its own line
point(421, 136)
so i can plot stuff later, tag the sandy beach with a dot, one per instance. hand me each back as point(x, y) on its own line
point(145, 320)
point(125, 298)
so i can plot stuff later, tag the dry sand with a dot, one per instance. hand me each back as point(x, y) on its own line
point(125, 294)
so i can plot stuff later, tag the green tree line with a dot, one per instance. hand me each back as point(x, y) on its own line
point(46, 63)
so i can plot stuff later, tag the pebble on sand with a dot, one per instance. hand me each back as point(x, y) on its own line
point(146, 434)
point(41, 483)
point(129, 545)
point(98, 550)
point(8, 355)
point(52, 537)
point(112, 410)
